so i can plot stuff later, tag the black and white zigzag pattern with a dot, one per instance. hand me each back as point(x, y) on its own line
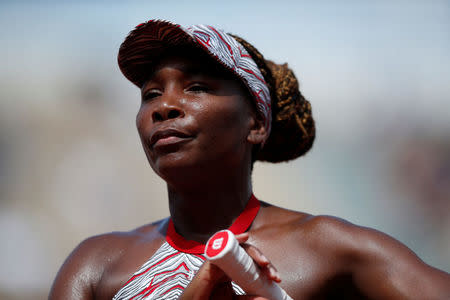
point(164, 276)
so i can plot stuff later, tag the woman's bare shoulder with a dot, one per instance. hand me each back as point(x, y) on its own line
point(325, 235)
point(278, 218)
point(317, 226)
point(116, 242)
point(84, 267)
point(334, 246)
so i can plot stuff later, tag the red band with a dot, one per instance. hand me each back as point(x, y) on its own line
point(240, 225)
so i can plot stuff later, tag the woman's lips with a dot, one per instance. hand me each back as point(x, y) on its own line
point(167, 137)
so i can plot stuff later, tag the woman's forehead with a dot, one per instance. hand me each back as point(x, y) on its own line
point(193, 64)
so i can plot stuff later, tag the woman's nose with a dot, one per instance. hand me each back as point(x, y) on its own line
point(169, 108)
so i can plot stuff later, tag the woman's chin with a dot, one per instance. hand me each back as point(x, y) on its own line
point(174, 165)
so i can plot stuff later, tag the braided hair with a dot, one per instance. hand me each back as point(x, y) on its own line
point(293, 128)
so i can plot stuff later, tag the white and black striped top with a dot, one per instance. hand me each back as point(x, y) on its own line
point(167, 273)
point(164, 276)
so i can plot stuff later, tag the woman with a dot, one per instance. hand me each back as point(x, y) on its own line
point(211, 106)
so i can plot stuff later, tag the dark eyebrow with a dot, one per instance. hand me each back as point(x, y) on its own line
point(210, 68)
point(195, 70)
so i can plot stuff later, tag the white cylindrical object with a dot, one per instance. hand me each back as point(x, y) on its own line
point(224, 251)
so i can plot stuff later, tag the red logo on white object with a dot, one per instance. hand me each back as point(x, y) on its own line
point(217, 243)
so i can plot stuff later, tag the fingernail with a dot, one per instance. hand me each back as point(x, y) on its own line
point(274, 273)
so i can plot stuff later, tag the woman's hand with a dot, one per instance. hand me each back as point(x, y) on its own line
point(211, 282)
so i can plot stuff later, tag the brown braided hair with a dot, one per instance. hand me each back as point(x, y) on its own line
point(293, 127)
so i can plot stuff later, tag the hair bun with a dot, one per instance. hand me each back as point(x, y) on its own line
point(293, 129)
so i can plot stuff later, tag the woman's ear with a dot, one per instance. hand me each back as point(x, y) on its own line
point(258, 132)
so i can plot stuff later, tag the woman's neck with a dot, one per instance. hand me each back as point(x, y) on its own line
point(200, 210)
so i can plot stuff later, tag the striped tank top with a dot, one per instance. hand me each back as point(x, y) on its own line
point(167, 273)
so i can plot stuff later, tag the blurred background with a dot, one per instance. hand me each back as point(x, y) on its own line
point(71, 165)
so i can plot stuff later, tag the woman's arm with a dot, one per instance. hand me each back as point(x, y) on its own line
point(383, 268)
point(386, 268)
point(79, 273)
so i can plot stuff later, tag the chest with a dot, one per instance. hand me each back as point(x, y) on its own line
point(308, 273)
point(164, 276)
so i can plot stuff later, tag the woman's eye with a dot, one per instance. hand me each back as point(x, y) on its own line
point(198, 88)
point(151, 95)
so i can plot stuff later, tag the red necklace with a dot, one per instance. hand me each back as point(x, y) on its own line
point(240, 225)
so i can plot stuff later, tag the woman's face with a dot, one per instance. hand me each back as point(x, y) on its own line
point(194, 116)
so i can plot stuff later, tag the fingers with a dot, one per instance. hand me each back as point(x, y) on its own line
point(223, 291)
point(204, 282)
point(256, 254)
point(242, 237)
point(211, 273)
point(261, 261)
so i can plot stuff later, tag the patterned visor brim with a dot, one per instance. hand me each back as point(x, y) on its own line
point(148, 41)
